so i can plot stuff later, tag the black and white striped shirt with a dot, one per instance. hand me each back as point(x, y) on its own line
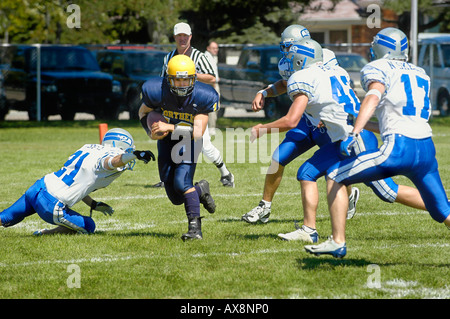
point(202, 64)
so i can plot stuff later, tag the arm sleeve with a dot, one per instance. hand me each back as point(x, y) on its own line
point(296, 86)
point(371, 73)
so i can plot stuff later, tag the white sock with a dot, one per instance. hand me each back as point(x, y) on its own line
point(266, 203)
point(308, 229)
point(223, 169)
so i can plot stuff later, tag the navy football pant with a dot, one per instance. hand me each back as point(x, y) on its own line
point(177, 161)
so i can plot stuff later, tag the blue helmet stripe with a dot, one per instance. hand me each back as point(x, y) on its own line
point(386, 44)
point(118, 137)
point(309, 52)
point(386, 41)
point(404, 44)
point(386, 38)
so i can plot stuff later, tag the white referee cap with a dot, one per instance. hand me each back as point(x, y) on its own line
point(182, 28)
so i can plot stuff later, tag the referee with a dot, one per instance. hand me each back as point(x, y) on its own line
point(205, 73)
point(183, 35)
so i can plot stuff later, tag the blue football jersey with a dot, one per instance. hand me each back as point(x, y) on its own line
point(156, 94)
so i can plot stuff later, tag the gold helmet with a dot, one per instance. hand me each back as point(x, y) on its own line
point(181, 67)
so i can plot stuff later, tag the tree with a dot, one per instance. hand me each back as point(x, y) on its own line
point(138, 21)
point(428, 8)
point(234, 21)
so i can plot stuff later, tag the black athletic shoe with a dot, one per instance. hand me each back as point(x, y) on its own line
point(227, 180)
point(205, 196)
point(194, 229)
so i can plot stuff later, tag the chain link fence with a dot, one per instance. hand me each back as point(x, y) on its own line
point(47, 79)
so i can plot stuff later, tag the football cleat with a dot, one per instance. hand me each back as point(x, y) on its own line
point(194, 229)
point(39, 232)
point(259, 213)
point(205, 196)
point(302, 234)
point(227, 180)
point(352, 200)
point(329, 247)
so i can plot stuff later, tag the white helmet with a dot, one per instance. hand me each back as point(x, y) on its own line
point(119, 138)
point(329, 58)
point(284, 68)
point(291, 34)
point(389, 43)
point(304, 54)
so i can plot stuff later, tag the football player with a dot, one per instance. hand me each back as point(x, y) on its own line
point(205, 74)
point(185, 103)
point(324, 92)
point(91, 167)
point(297, 141)
point(398, 94)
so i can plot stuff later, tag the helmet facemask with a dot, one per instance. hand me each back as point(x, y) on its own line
point(181, 67)
point(181, 90)
point(285, 68)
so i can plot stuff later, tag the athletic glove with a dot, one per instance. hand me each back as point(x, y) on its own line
point(101, 207)
point(145, 156)
point(346, 146)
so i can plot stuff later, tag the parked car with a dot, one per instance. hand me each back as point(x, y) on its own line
point(434, 57)
point(131, 68)
point(256, 68)
point(353, 63)
point(71, 82)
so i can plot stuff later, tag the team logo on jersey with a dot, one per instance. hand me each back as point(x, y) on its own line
point(180, 116)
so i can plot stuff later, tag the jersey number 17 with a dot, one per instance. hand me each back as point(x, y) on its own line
point(411, 105)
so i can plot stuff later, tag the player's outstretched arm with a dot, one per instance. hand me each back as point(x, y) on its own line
point(285, 123)
point(276, 89)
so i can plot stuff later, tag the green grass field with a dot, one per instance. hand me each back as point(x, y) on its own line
point(393, 251)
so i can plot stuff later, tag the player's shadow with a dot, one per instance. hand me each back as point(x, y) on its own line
point(271, 221)
point(315, 263)
point(139, 234)
point(258, 236)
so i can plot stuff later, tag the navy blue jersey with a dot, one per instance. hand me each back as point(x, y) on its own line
point(156, 95)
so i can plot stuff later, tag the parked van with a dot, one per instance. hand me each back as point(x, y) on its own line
point(434, 57)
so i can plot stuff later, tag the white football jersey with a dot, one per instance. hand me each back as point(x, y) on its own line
point(330, 97)
point(405, 106)
point(82, 174)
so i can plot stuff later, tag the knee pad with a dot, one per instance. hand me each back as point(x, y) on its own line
point(308, 172)
point(8, 220)
point(89, 225)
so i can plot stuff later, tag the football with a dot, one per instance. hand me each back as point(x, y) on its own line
point(154, 117)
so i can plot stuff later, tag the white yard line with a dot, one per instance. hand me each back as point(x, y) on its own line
point(111, 258)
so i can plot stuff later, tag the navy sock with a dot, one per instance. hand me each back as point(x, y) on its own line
point(198, 189)
point(192, 204)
